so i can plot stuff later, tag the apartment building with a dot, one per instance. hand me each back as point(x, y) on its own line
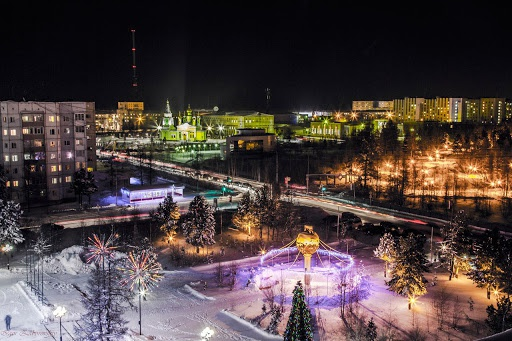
point(42, 145)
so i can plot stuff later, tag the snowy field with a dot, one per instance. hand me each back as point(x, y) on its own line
point(180, 307)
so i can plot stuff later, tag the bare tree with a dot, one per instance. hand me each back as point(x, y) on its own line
point(233, 269)
point(440, 305)
point(457, 312)
point(219, 274)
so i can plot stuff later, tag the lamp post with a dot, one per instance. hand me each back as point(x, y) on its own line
point(206, 334)
point(142, 292)
point(59, 312)
point(6, 248)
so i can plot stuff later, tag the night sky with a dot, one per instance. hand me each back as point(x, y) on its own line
point(312, 55)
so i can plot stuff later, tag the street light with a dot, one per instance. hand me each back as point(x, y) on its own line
point(6, 248)
point(59, 312)
point(412, 300)
point(206, 334)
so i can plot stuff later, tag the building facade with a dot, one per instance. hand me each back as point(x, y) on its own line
point(43, 145)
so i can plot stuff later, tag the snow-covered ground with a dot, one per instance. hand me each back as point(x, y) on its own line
point(180, 307)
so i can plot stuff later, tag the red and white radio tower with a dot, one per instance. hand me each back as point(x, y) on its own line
point(134, 67)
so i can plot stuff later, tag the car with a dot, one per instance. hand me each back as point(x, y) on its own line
point(371, 229)
point(356, 223)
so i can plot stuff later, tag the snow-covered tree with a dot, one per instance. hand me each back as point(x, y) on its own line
point(407, 274)
point(106, 299)
point(386, 250)
point(276, 317)
point(146, 246)
point(457, 245)
point(199, 223)
point(499, 319)
point(245, 204)
point(167, 216)
point(83, 184)
point(3, 181)
point(246, 221)
point(10, 213)
point(266, 205)
point(485, 270)
point(371, 331)
point(105, 303)
point(299, 326)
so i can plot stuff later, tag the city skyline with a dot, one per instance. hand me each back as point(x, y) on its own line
point(312, 56)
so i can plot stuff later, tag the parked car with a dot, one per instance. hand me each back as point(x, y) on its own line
point(356, 223)
point(390, 227)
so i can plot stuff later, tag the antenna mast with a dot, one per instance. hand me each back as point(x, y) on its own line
point(134, 67)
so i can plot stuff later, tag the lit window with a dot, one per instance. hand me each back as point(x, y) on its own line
point(53, 156)
point(15, 158)
point(7, 183)
point(55, 180)
point(51, 118)
point(68, 178)
point(6, 158)
point(54, 168)
point(15, 183)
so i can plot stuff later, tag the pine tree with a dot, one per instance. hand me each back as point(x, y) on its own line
point(10, 214)
point(3, 187)
point(199, 223)
point(276, 317)
point(105, 303)
point(485, 270)
point(167, 216)
point(106, 298)
point(407, 274)
point(457, 245)
point(299, 326)
point(371, 331)
point(499, 319)
point(84, 184)
point(266, 206)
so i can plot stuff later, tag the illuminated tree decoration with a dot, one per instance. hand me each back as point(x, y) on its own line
point(299, 326)
point(142, 271)
point(101, 249)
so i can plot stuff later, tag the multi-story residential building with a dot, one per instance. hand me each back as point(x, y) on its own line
point(492, 110)
point(130, 115)
point(373, 109)
point(407, 109)
point(471, 110)
point(42, 145)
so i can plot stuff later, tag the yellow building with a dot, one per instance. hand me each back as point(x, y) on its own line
point(181, 127)
point(229, 123)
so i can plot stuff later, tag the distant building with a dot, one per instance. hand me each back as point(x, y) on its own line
point(140, 194)
point(43, 144)
point(251, 141)
point(186, 127)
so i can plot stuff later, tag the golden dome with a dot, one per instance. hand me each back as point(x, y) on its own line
point(308, 241)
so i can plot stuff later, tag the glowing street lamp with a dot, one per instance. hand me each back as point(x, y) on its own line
point(59, 312)
point(6, 249)
point(412, 300)
point(206, 334)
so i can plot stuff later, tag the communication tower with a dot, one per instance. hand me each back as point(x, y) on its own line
point(134, 66)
